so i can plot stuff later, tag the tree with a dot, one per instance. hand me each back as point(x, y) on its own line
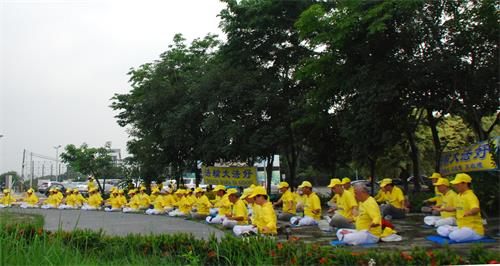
point(96, 162)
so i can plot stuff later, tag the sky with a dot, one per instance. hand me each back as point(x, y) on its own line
point(62, 61)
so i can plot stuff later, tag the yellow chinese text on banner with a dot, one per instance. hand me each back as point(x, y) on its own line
point(230, 176)
point(477, 157)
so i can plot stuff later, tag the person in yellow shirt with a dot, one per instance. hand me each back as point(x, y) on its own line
point(80, 200)
point(265, 222)
point(158, 203)
point(346, 208)
point(288, 200)
point(7, 199)
point(144, 200)
point(223, 206)
point(94, 201)
point(239, 212)
point(448, 202)
point(201, 208)
point(30, 201)
point(219, 191)
point(436, 200)
point(312, 207)
point(169, 200)
point(346, 183)
point(368, 222)
point(155, 192)
point(69, 201)
point(90, 183)
point(252, 208)
point(115, 202)
point(183, 204)
point(53, 201)
point(133, 203)
point(468, 213)
point(394, 206)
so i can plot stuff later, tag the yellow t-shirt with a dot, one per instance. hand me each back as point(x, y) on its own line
point(255, 211)
point(184, 205)
point(465, 202)
point(395, 197)
point(224, 205)
point(298, 198)
point(7, 200)
point(449, 200)
point(345, 203)
point(80, 199)
point(239, 209)
point(311, 203)
point(369, 213)
point(203, 205)
point(144, 200)
point(158, 203)
point(95, 200)
point(116, 202)
point(289, 202)
point(438, 197)
point(32, 199)
point(53, 200)
point(152, 197)
point(134, 202)
point(169, 201)
point(266, 217)
point(380, 197)
point(71, 200)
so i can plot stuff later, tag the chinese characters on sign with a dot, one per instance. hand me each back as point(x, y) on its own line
point(477, 157)
point(230, 176)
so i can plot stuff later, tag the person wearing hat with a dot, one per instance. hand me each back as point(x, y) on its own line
point(133, 203)
point(239, 212)
point(346, 208)
point(287, 199)
point(223, 206)
point(80, 200)
point(447, 206)
point(115, 202)
point(53, 201)
point(368, 222)
point(169, 201)
point(312, 207)
point(90, 183)
point(94, 201)
point(7, 199)
point(144, 200)
point(265, 221)
point(30, 201)
point(346, 183)
point(69, 201)
point(219, 191)
point(394, 206)
point(436, 200)
point(468, 213)
point(252, 208)
point(201, 208)
point(158, 203)
point(183, 204)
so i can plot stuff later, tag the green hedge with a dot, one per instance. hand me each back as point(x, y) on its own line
point(28, 245)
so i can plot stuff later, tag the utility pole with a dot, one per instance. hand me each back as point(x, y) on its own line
point(22, 168)
point(57, 161)
point(32, 168)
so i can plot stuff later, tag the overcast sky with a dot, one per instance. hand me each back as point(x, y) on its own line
point(62, 61)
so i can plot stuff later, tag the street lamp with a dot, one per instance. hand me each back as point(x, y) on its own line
point(57, 161)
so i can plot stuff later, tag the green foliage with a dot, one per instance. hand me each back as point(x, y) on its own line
point(28, 244)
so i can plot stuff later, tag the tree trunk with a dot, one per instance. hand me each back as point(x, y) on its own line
point(373, 164)
point(435, 140)
point(414, 159)
point(269, 172)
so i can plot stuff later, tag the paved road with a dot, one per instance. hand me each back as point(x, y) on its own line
point(120, 224)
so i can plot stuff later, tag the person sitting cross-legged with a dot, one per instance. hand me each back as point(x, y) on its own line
point(30, 201)
point(312, 207)
point(239, 212)
point(437, 200)
point(202, 205)
point(394, 206)
point(7, 199)
point(264, 221)
point(288, 200)
point(345, 209)
point(94, 201)
point(468, 213)
point(447, 206)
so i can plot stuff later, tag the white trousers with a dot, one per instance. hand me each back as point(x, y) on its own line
point(355, 237)
point(154, 212)
point(458, 234)
point(176, 213)
point(67, 207)
point(240, 229)
point(438, 221)
point(4, 206)
point(229, 223)
point(302, 221)
point(87, 207)
point(25, 205)
point(128, 209)
point(109, 209)
point(215, 220)
point(48, 206)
